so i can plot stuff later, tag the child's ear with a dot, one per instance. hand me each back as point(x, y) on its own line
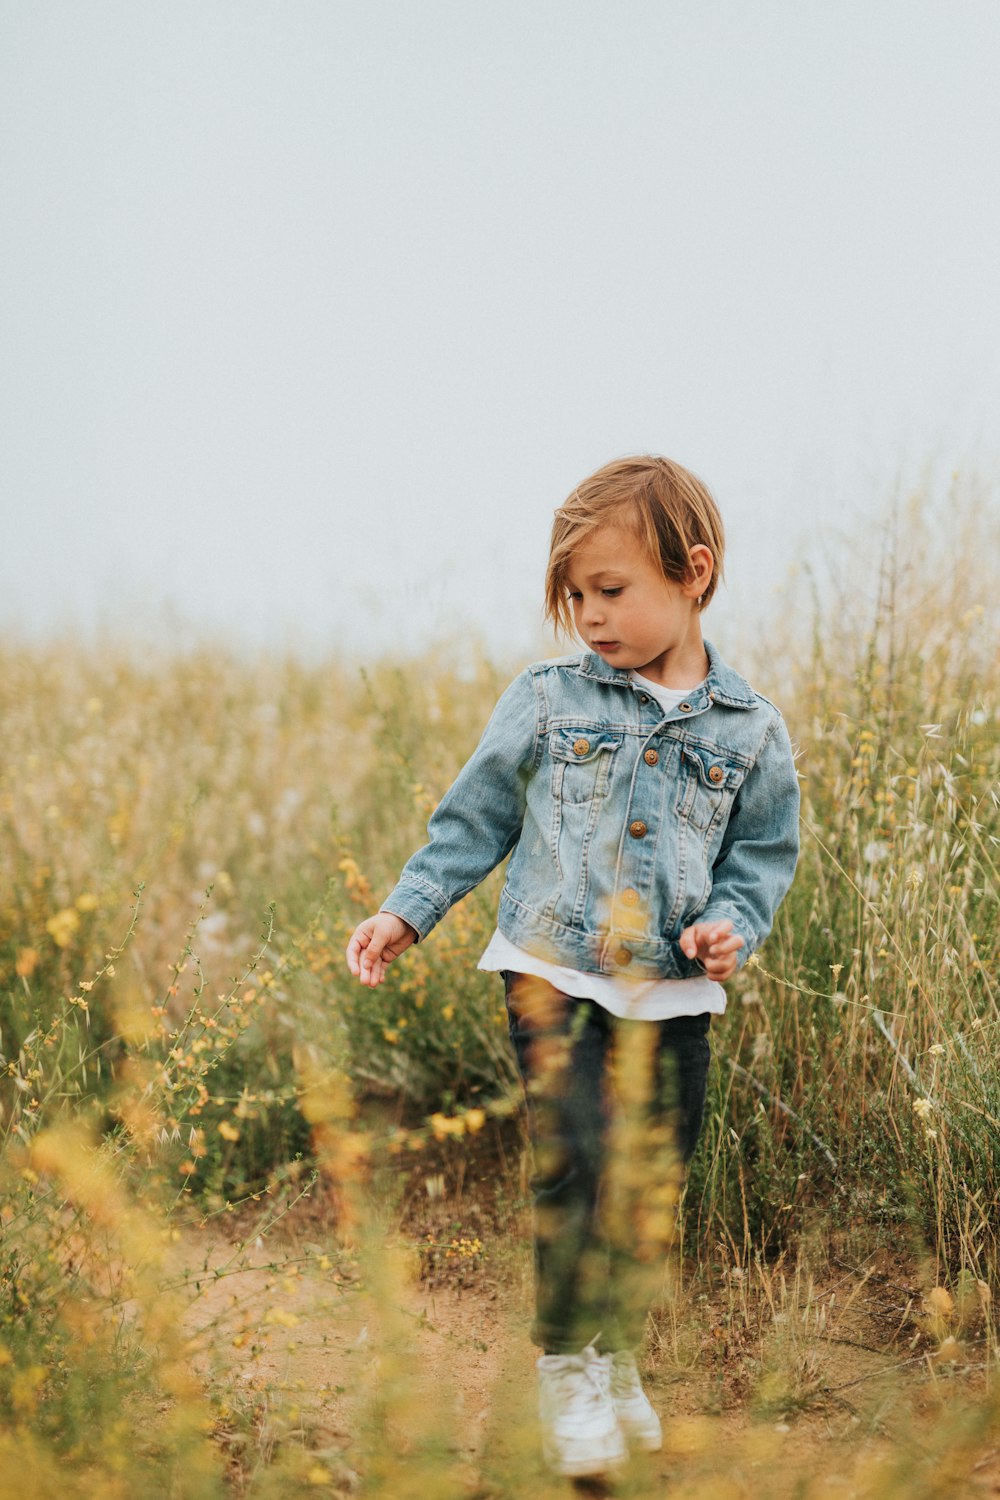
point(701, 565)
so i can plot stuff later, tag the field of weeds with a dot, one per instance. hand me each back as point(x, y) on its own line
point(266, 1234)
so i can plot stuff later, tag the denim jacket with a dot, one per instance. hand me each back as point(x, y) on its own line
point(627, 824)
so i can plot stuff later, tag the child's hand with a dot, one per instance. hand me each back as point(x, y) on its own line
point(715, 945)
point(375, 943)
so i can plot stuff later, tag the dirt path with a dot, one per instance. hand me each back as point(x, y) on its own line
point(818, 1382)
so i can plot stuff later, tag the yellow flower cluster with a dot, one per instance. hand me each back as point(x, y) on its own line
point(469, 1123)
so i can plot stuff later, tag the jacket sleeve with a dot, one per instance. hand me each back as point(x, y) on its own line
point(756, 861)
point(478, 821)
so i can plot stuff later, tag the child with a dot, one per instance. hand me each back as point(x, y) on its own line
point(651, 803)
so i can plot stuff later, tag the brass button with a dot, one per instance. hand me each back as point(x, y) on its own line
point(716, 774)
point(643, 697)
point(623, 957)
point(638, 829)
point(580, 747)
point(630, 897)
point(651, 757)
point(685, 708)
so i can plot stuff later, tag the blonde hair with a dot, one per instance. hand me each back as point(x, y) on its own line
point(669, 509)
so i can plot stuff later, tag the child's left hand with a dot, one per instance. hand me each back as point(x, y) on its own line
point(715, 945)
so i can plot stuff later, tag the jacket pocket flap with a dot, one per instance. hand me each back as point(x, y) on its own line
point(715, 769)
point(580, 745)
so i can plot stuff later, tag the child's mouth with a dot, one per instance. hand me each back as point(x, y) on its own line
point(606, 645)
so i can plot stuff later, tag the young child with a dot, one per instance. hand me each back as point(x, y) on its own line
point(651, 803)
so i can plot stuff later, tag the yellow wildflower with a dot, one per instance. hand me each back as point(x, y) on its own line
point(63, 926)
point(281, 1317)
point(26, 963)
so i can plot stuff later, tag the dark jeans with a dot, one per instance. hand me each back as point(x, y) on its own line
point(614, 1112)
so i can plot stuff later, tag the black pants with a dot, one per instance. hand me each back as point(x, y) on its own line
point(614, 1112)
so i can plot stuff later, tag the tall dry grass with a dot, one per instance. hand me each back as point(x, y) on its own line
point(186, 843)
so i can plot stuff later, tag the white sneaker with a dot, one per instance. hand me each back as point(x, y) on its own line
point(636, 1417)
point(580, 1432)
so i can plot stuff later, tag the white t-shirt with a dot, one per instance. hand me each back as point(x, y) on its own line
point(635, 999)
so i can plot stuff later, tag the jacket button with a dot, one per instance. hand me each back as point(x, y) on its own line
point(716, 774)
point(638, 829)
point(643, 697)
point(630, 897)
point(580, 747)
point(651, 757)
point(623, 957)
point(685, 708)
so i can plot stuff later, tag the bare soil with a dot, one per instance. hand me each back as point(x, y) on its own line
point(769, 1383)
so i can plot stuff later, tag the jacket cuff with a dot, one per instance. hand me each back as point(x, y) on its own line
point(417, 902)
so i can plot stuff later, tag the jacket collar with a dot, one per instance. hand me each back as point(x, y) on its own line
point(722, 684)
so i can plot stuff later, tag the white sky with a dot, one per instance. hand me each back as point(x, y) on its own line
point(313, 312)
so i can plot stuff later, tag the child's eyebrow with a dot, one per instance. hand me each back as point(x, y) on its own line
point(614, 573)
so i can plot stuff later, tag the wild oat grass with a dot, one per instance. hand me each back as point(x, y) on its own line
point(186, 843)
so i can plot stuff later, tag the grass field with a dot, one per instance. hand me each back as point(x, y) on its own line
point(252, 1215)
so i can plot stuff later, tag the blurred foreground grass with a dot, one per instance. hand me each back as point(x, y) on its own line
point(186, 844)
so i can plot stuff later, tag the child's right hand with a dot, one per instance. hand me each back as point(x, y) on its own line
point(375, 943)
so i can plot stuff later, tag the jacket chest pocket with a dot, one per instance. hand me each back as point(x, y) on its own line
point(582, 761)
point(710, 780)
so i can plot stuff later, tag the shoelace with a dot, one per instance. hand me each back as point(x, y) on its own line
point(596, 1387)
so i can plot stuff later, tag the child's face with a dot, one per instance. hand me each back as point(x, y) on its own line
point(626, 611)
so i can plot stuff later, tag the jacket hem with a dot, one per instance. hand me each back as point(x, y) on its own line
point(593, 952)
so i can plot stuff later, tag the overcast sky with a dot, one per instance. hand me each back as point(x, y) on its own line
point(312, 312)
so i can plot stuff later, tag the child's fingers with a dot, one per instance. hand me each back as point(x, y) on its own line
point(729, 943)
point(720, 962)
point(372, 962)
point(375, 943)
point(694, 940)
point(360, 939)
point(364, 951)
point(701, 937)
point(720, 969)
point(372, 968)
point(373, 974)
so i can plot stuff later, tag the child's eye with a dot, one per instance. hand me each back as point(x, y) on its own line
point(574, 594)
point(612, 593)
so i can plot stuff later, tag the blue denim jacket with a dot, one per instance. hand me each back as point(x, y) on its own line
point(627, 824)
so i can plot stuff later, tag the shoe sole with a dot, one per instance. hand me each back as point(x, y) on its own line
point(646, 1441)
point(645, 1437)
point(584, 1468)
